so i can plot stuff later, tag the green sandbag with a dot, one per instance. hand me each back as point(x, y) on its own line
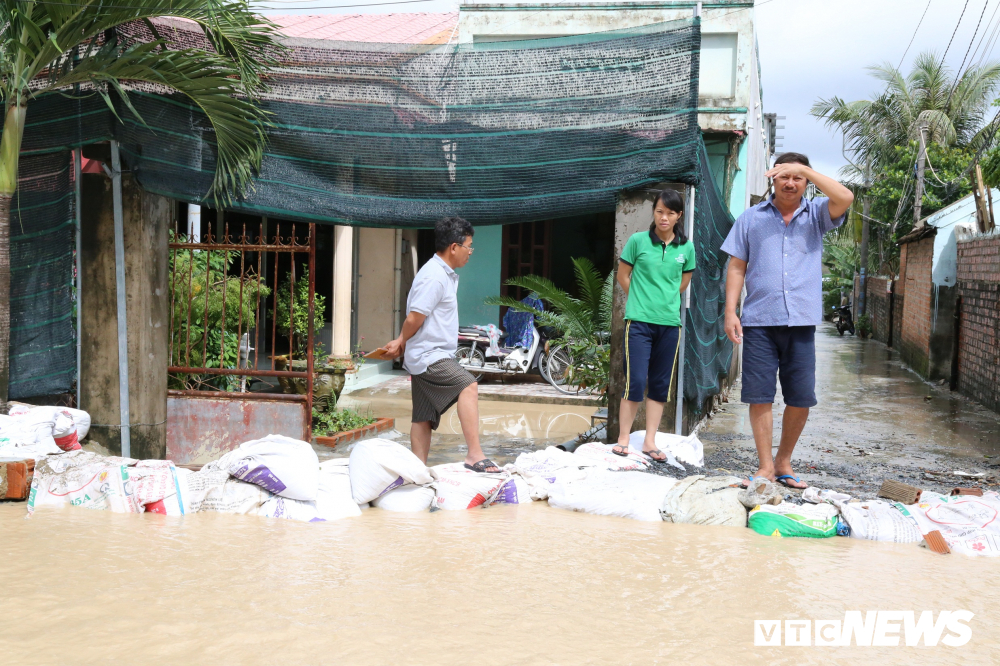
point(790, 520)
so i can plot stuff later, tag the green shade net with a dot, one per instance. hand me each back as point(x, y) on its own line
point(399, 135)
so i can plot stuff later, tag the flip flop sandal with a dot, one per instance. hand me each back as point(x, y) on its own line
point(782, 481)
point(481, 466)
point(654, 458)
point(623, 454)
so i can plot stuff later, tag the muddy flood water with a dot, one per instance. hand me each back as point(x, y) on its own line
point(526, 584)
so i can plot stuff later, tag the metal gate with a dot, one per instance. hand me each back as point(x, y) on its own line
point(230, 296)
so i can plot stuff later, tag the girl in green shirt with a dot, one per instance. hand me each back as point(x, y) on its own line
point(654, 270)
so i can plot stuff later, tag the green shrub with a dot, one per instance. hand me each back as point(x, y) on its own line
point(864, 326)
point(328, 423)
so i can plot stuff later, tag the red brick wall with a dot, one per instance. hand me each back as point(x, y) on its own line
point(877, 307)
point(915, 339)
point(979, 291)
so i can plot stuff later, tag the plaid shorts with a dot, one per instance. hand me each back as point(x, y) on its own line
point(437, 389)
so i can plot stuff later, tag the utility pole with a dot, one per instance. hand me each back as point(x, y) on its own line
point(918, 193)
point(862, 301)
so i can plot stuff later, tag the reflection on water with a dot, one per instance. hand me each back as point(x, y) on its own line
point(510, 584)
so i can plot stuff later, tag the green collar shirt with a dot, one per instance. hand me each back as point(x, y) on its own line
point(654, 294)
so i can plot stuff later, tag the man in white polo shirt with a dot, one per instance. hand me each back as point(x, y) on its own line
point(429, 340)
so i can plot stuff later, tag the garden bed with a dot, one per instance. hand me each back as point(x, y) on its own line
point(347, 436)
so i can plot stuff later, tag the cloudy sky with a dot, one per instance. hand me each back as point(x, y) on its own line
point(808, 48)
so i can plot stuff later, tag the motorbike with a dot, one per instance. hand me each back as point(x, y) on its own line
point(474, 354)
point(842, 319)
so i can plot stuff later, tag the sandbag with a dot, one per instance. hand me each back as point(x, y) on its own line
point(793, 520)
point(457, 488)
point(629, 494)
point(278, 464)
point(539, 469)
point(212, 489)
point(408, 498)
point(514, 491)
point(701, 500)
point(79, 418)
point(968, 523)
point(18, 442)
point(601, 455)
point(877, 520)
point(686, 449)
point(86, 480)
point(379, 465)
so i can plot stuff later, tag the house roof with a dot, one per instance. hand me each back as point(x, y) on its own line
point(414, 28)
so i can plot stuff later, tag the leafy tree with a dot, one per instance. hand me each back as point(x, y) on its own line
point(952, 110)
point(300, 318)
point(209, 314)
point(52, 46)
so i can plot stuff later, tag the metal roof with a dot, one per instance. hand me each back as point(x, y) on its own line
point(415, 28)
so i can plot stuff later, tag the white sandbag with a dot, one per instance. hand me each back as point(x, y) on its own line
point(515, 491)
point(333, 502)
point(457, 488)
point(819, 495)
point(601, 456)
point(79, 421)
point(686, 449)
point(704, 500)
point(278, 464)
point(86, 480)
point(407, 498)
point(16, 442)
point(212, 489)
point(64, 430)
point(968, 523)
point(539, 469)
point(379, 465)
point(636, 495)
point(877, 520)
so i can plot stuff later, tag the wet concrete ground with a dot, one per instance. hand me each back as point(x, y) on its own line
point(875, 420)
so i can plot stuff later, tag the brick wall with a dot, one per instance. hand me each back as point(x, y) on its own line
point(915, 334)
point(979, 291)
point(877, 307)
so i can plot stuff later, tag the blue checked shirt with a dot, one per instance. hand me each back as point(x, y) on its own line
point(784, 280)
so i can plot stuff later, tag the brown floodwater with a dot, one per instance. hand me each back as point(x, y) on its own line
point(526, 584)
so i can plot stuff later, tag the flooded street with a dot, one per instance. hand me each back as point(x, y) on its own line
point(527, 584)
point(523, 584)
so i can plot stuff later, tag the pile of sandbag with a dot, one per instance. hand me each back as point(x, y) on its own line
point(33, 432)
point(604, 492)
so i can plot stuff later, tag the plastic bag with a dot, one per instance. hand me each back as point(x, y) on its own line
point(600, 455)
point(539, 469)
point(968, 523)
point(877, 520)
point(379, 465)
point(406, 499)
point(701, 500)
point(792, 520)
point(278, 464)
point(457, 488)
point(631, 494)
point(686, 449)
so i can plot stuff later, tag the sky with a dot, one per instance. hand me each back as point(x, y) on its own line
point(809, 49)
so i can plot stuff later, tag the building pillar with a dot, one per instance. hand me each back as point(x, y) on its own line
point(343, 274)
point(146, 221)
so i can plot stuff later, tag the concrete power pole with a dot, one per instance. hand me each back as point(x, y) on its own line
point(862, 301)
point(918, 193)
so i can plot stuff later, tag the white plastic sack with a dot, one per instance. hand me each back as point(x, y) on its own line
point(17, 442)
point(212, 489)
point(629, 494)
point(686, 449)
point(539, 469)
point(79, 418)
point(281, 465)
point(704, 500)
point(333, 502)
point(407, 498)
point(379, 465)
point(601, 456)
point(457, 488)
point(877, 520)
point(968, 523)
point(85, 480)
point(515, 491)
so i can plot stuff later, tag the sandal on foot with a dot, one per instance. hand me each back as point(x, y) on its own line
point(624, 450)
point(482, 465)
point(655, 459)
point(783, 480)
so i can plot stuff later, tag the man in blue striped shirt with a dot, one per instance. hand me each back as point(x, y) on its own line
point(776, 250)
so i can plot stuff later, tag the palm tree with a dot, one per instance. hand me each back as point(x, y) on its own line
point(950, 110)
point(52, 46)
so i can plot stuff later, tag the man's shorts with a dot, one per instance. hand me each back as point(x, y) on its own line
point(788, 352)
point(437, 389)
point(650, 355)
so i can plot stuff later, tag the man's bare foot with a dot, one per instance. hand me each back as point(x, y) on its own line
point(766, 473)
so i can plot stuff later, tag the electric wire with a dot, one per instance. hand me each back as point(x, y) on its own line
point(919, 23)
